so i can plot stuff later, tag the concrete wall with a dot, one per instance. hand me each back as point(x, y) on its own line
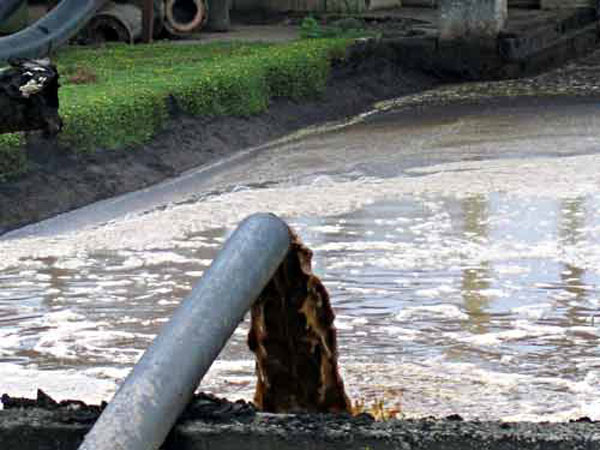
point(420, 3)
point(35, 429)
point(529, 4)
point(472, 19)
point(319, 5)
point(544, 4)
point(558, 4)
point(316, 5)
point(382, 4)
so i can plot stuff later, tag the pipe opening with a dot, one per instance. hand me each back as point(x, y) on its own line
point(184, 16)
point(107, 34)
point(184, 11)
point(105, 29)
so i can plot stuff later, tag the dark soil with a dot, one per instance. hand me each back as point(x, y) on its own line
point(61, 179)
point(203, 406)
point(218, 424)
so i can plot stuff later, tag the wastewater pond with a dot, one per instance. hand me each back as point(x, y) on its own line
point(460, 247)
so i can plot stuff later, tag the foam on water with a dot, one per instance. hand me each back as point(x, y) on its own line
point(95, 386)
point(548, 178)
point(457, 286)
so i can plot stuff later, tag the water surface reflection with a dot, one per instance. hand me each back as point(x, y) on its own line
point(447, 303)
point(460, 281)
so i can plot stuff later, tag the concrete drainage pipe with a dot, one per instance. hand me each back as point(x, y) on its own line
point(184, 16)
point(119, 22)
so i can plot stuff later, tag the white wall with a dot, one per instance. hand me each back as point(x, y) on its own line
point(383, 4)
point(317, 5)
point(472, 19)
point(558, 4)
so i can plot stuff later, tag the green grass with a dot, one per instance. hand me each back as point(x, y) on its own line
point(12, 157)
point(125, 101)
point(348, 27)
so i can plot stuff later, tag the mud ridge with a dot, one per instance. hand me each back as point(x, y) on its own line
point(61, 179)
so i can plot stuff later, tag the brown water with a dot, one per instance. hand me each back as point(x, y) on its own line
point(459, 245)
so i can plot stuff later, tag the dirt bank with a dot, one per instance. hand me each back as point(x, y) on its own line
point(61, 179)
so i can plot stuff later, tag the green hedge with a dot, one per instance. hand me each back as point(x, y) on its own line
point(12, 156)
point(126, 103)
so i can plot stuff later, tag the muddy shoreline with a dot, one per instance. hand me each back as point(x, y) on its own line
point(61, 179)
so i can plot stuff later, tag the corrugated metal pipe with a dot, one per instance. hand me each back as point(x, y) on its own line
point(8, 8)
point(39, 39)
point(185, 16)
point(147, 405)
point(120, 22)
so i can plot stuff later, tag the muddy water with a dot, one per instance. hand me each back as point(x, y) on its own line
point(460, 246)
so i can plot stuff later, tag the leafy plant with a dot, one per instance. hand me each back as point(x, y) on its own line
point(125, 102)
point(345, 28)
point(12, 157)
point(310, 28)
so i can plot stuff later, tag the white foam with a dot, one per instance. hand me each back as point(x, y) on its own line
point(18, 381)
point(533, 312)
point(425, 254)
point(585, 331)
point(442, 311)
point(401, 333)
point(547, 177)
point(521, 330)
point(438, 388)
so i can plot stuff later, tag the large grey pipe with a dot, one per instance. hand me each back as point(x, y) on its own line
point(8, 8)
point(48, 33)
point(147, 405)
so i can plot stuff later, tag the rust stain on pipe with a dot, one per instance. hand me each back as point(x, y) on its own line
point(294, 341)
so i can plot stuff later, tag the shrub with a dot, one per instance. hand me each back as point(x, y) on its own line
point(347, 27)
point(110, 119)
point(310, 28)
point(297, 72)
point(12, 157)
point(126, 103)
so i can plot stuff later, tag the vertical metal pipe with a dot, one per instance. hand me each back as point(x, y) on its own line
point(147, 405)
point(148, 21)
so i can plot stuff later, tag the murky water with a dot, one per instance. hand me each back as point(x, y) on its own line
point(459, 244)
